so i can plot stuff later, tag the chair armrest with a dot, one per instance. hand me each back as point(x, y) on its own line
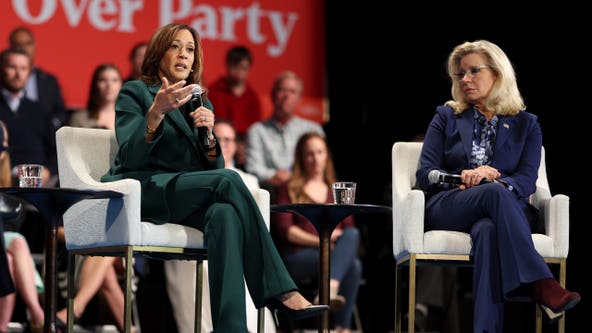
point(261, 197)
point(106, 221)
point(408, 222)
point(556, 214)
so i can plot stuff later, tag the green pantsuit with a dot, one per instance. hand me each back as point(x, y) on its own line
point(180, 185)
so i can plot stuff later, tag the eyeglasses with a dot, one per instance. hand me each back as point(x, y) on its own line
point(471, 72)
point(225, 140)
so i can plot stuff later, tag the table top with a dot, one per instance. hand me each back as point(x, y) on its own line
point(325, 216)
point(96, 194)
point(338, 208)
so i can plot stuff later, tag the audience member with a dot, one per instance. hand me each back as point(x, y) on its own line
point(17, 261)
point(227, 138)
point(42, 86)
point(97, 274)
point(136, 57)
point(100, 108)
point(6, 285)
point(235, 99)
point(313, 174)
point(271, 142)
point(184, 182)
point(181, 273)
point(232, 95)
point(483, 133)
point(33, 141)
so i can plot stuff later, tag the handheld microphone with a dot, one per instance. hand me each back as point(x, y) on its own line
point(196, 101)
point(436, 177)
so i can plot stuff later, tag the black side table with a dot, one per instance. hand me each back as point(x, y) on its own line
point(52, 203)
point(325, 217)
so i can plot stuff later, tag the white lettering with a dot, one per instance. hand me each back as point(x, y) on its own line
point(128, 7)
point(73, 13)
point(216, 23)
point(100, 8)
point(229, 18)
point(282, 33)
point(253, 32)
point(48, 8)
point(167, 15)
point(206, 26)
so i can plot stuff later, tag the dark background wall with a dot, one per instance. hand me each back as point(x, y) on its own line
point(386, 75)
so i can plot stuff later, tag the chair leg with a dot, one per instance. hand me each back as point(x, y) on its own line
point(562, 278)
point(358, 320)
point(198, 294)
point(71, 291)
point(412, 280)
point(539, 319)
point(129, 265)
point(397, 298)
point(135, 311)
point(261, 320)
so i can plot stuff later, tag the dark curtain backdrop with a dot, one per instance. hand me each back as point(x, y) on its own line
point(386, 75)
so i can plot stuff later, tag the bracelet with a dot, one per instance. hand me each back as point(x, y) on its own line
point(212, 146)
point(150, 130)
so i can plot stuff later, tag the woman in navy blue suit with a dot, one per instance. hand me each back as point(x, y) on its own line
point(484, 134)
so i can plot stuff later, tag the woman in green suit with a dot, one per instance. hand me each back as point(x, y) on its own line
point(166, 142)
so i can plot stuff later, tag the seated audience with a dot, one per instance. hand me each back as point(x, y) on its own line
point(100, 107)
point(17, 262)
point(235, 99)
point(313, 174)
point(271, 142)
point(98, 274)
point(136, 58)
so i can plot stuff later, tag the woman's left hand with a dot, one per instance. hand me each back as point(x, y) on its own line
point(473, 177)
point(203, 117)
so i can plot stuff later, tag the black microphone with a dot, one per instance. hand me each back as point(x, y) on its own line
point(437, 177)
point(196, 101)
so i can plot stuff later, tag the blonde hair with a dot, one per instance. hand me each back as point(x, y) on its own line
point(298, 178)
point(505, 98)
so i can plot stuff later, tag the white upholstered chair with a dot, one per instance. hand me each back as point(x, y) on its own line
point(112, 227)
point(413, 246)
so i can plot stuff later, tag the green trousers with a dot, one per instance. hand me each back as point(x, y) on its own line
point(218, 203)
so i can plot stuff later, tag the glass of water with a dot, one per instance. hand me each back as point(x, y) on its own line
point(30, 175)
point(344, 193)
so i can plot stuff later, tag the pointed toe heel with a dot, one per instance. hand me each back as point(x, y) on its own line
point(549, 315)
point(309, 311)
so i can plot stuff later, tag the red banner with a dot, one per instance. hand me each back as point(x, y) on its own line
point(74, 36)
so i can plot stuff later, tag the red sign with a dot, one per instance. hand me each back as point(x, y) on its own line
point(74, 36)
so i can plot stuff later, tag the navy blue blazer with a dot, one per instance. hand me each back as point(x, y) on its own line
point(50, 95)
point(516, 154)
point(31, 135)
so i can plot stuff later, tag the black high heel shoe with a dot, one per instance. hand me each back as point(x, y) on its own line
point(276, 305)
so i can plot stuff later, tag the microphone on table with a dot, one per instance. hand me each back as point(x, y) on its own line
point(196, 101)
point(436, 177)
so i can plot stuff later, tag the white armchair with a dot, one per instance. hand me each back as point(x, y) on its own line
point(411, 244)
point(113, 227)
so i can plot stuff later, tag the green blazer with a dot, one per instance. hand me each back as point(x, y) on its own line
point(175, 149)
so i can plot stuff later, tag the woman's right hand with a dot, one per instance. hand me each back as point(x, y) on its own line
point(169, 97)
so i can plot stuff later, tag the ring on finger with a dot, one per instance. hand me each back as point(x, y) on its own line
point(176, 100)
